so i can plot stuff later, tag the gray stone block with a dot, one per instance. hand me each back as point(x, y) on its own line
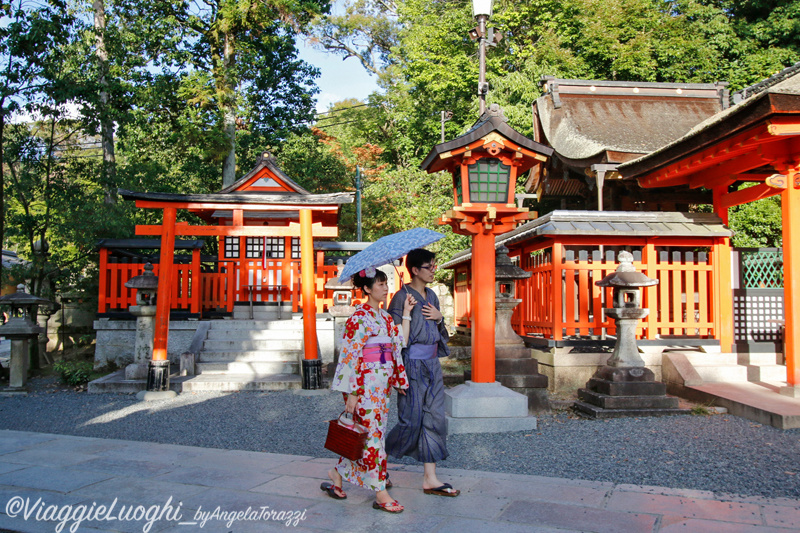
point(457, 426)
point(484, 400)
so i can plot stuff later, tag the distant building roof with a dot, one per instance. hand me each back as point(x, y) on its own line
point(590, 121)
point(11, 259)
point(611, 223)
point(244, 198)
point(775, 95)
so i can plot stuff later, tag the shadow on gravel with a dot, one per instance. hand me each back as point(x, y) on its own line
point(719, 453)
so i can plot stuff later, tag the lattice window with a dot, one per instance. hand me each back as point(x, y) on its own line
point(295, 247)
point(255, 247)
point(762, 269)
point(757, 315)
point(231, 247)
point(488, 181)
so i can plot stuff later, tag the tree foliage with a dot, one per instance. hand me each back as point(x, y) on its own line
point(193, 88)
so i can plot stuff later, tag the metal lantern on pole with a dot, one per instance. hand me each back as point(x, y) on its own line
point(485, 164)
point(482, 8)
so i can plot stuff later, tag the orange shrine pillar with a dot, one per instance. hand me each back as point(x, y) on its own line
point(483, 307)
point(158, 369)
point(312, 365)
point(790, 206)
point(723, 288)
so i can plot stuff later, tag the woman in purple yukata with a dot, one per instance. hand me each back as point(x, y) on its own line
point(370, 364)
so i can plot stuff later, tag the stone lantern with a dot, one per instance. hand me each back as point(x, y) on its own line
point(146, 285)
point(45, 312)
point(21, 331)
point(624, 386)
point(341, 310)
point(514, 366)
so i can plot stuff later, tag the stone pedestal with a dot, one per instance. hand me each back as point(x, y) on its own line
point(626, 391)
point(514, 366)
point(790, 391)
point(143, 344)
point(21, 332)
point(486, 408)
point(18, 365)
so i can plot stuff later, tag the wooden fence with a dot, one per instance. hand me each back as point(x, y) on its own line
point(561, 299)
point(220, 284)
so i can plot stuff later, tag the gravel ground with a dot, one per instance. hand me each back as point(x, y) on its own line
point(721, 453)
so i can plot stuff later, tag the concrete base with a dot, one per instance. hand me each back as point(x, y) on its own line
point(116, 383)
point(136, 371)
point(486, 408)
point(458, 426)
point(791, 392)
point(150, 396)
point(313, 392)
point(568, 370)
point(11, 391)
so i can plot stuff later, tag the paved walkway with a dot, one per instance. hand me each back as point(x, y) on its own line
point(186, 489)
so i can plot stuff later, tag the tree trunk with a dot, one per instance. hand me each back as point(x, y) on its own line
point(229, 112)
point(109, 176)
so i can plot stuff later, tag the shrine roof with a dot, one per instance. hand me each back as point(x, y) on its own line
point(147, 244)
point(612, 224)
point(778, 94)
point(11, 259)
point(253, 198)
point(486, 124)
point(265, 160)
point(584, 120)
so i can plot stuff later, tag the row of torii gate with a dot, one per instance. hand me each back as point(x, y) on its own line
point(756, 141)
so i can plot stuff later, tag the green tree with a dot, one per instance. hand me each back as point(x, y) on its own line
point(229, 57)
point(757, 224)
point(31, 39)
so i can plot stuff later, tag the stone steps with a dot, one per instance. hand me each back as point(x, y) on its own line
point(284, 333)
point(247, 345)
point(718, 367)
point(244, 356)
point(249, 368)
point(258, 325)
point(262, 353)
point(240, 382)
point(263, 312)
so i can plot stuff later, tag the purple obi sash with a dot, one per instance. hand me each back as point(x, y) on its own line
point(423, 351)
point(377, 350)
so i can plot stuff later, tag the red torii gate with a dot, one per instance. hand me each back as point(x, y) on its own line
point(756, 141)
point(323, 207)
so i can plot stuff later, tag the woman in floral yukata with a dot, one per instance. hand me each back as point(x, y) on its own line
point(370, 364)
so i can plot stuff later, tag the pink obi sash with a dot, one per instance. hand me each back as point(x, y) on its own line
point(378, 350)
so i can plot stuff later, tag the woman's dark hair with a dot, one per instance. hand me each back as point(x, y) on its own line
point(363, 281)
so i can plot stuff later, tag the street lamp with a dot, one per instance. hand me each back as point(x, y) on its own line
point(482, 10)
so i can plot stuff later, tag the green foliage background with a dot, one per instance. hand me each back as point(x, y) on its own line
point(169, 93)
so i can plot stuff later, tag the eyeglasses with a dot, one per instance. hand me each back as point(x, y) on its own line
point(431, 268)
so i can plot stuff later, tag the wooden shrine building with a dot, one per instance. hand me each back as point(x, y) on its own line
point(265, 225)
point(593, 126)
point(629, 160)
point(745, 153)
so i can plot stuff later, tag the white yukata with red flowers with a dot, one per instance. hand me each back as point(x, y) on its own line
point(372, 383)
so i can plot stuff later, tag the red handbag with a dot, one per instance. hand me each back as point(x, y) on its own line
point(346, 438)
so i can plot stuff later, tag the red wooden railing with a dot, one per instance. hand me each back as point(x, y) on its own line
point(231, 282)
point(561, 298)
